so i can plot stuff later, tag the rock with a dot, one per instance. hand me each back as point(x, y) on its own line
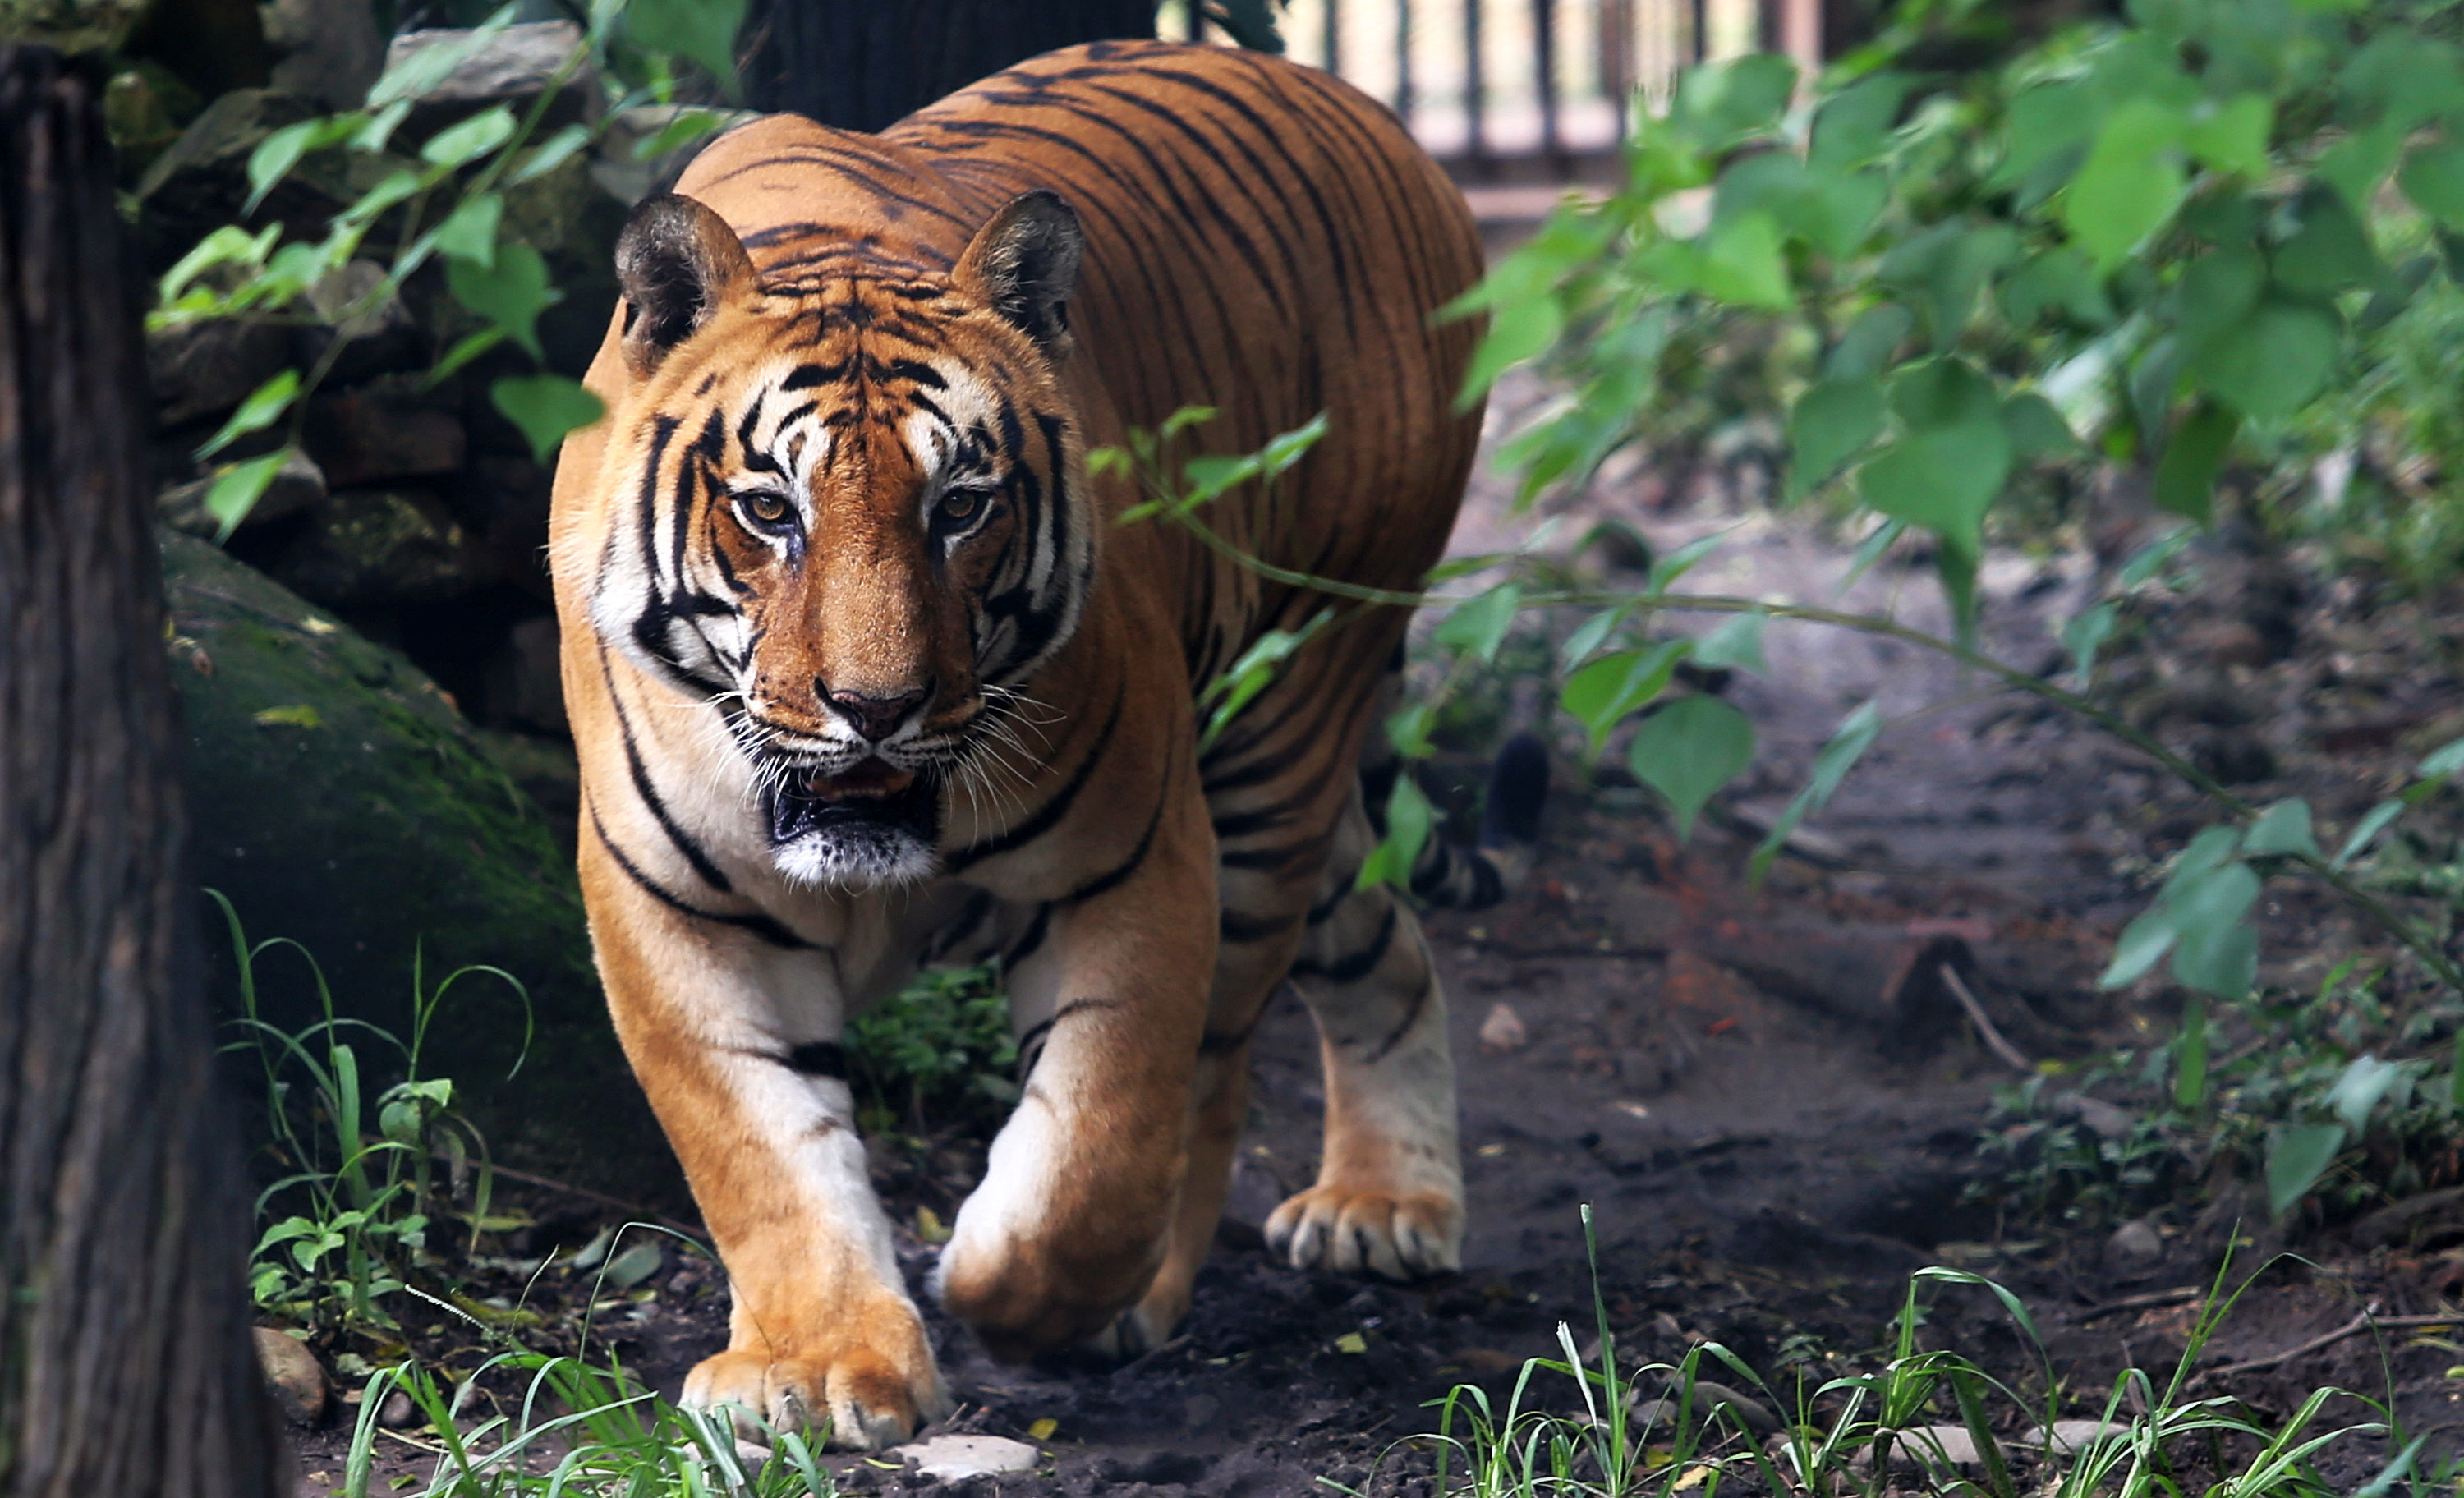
point(512, 69)
point(2098, 1117)
point(524, 682)
point(377, 546)
point(2069, 1436)
point(382, 830)
point(381, 434)
point(298, 484)
point(205, 368)
point(950, 1458)
point(2135, 1244)
point(296, 1378)
point(329, 53)
point(1751, 1413)
point(70, 26)
point(1935, 1447)
point(1503, 1031)
point(398, 1411)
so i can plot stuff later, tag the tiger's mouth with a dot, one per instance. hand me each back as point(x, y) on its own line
point(871, 822)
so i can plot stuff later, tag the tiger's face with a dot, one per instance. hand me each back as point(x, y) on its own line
point(862, 519)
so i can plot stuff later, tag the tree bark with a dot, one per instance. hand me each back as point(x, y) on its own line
point(125, 1364)
point(860, 64)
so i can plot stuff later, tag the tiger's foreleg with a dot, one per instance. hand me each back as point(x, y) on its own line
point(736, 1043)
point(1389, 1193)
point(1070, 1223)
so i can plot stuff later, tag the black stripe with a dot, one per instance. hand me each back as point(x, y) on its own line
point(755, 924)
point(1050, 813)
point(817, 1059)
point(1239, 926)
point(1104, 883)
point(706, 871)
point(1359, 965)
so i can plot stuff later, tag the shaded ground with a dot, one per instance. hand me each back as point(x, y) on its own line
point(1771, 1103)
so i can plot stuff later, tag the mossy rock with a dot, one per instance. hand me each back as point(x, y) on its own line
point(338, 800)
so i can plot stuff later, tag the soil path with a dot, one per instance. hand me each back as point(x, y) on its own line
point(1769, 1102)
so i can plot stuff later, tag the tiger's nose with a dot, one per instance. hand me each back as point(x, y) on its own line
point(876, 718)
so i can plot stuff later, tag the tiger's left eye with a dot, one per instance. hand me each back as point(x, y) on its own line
point(958, 506)
point(767, 506)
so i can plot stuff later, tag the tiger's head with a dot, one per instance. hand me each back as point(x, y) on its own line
point(850, 512)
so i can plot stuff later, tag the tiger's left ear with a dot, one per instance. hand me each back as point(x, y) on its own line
point(1024, 263)
point(676, 262)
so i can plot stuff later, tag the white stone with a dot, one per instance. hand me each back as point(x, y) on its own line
point(950, 1458)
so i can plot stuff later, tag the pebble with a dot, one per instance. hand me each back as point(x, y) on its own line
point(397, 1413)
point(949, 1458)
point(297, 1379)
point(1503, 1031)
point(2136, 1242)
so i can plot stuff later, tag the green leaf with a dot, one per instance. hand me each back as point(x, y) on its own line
point(1476, 629)
point(2086, 634)
point(2268, 366)
point(2283, 829)
point(2433, 179)
point(2297, 1154)
point(2217, 291)
point(1602, 694)
point(551, 153)
point(470, 232)
point(1736, 644)
point(1719, 104)
point(1519, 329)
point(2208, 851)
point(2215, 952)
point(2061, 281)
point(263, 408)
point(2356, 165)
point(238, 488)
point(1941, 478)
point(1588, 636)
point(2141, 943)
point(1742, 263)
point(2186, 477)
point(2357, 1093)
point(1856, 734)
point(1687, 750)
point(1866, 348)
point(2130, 184)
point(1667, 569)
point(509, 294)
point(466, 141)
point(2366, 831)
point(2231, 137)
point(2328, 250)
point(545, 407)
point(684, 129)
point(423, 70)
point(1944, 268)
point(2150, 559)
point(1409, 818)
point(2190, 1057)
point(1854, 125)
point(702, 30)
point(2443, 762)
point(2036, 430)
point(277, 153)
point(1831, 422)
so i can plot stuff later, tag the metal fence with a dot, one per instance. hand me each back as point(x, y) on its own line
point(1530, 89)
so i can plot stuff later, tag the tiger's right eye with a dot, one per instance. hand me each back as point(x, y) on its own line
point(767, 507)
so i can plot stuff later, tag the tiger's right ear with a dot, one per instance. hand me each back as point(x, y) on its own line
point(677, 262)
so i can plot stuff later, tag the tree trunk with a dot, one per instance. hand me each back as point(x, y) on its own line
point(125, 1364)
point(860, 64)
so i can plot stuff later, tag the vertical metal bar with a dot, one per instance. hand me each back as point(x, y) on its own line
point(1404, 60)
point(1699, 25)
point(1475, 91)
point(1544, 63)
point(1335, 36)
point(1618, 69)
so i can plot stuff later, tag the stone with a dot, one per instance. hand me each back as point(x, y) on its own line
point(513, 68)
point(398, 1411)
point(951, 1458)
point(377, 546)
point(206, 368)
point(1935, 1447)
point(2135, 1244)
point(1503, 1030)
point(298, 484)
point(524, 682)
point(379, 434)
point(384, 830)
point(297, 1379)
point(328, 53)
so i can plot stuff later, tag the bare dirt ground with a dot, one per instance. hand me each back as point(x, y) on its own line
point(1771, 1101)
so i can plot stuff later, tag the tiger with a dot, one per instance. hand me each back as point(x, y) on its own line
point(863, 675)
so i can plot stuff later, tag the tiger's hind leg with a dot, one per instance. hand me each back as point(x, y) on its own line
point(1389, 1193)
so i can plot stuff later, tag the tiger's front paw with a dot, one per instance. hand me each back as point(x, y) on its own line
point(875, 1384)
point(1405, 1235)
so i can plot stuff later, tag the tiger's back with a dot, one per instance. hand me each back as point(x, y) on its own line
point(1262, 238)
